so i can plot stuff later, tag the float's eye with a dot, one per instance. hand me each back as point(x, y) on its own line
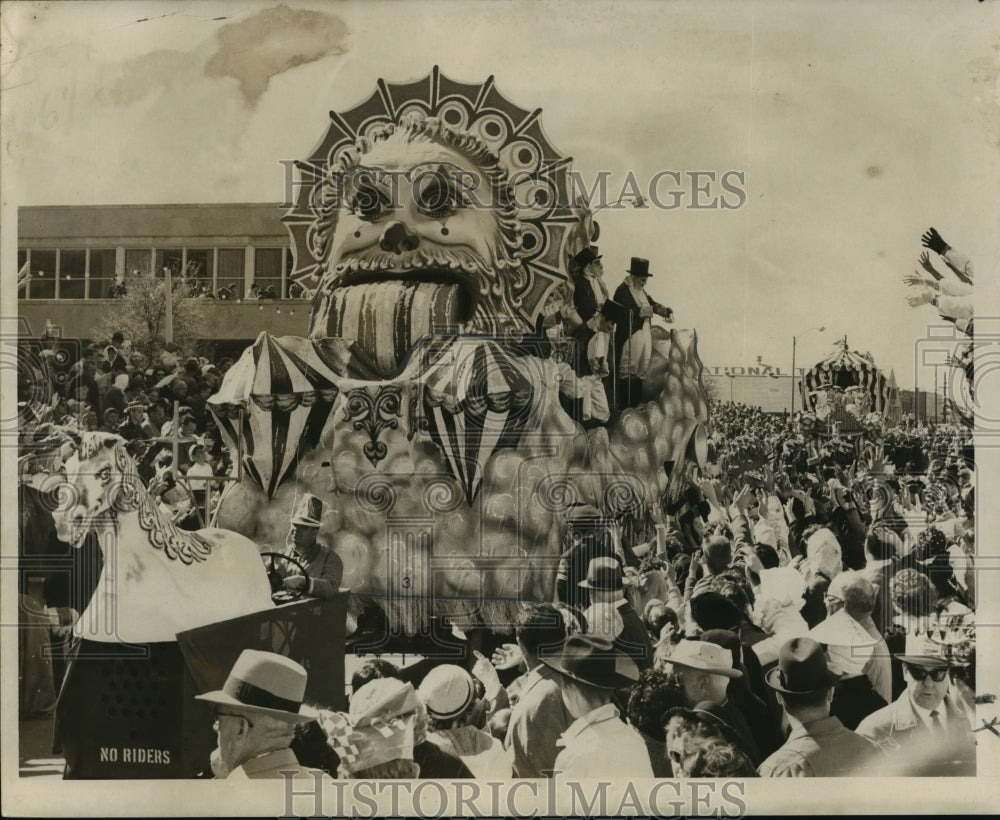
point(437, 194)
point(367, 200)
point(104, 475)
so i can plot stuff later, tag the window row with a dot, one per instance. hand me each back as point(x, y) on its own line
point(93, 273)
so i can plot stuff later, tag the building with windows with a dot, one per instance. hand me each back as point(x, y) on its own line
point(232, 252)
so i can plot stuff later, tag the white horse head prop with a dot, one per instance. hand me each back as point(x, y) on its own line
point(157, 579)
point(101, 481)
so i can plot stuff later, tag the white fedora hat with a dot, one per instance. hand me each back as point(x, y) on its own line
point(267, 683)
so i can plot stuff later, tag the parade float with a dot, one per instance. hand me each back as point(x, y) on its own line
point(846, 394)
point(434, 225)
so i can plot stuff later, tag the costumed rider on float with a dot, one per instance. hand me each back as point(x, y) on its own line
point(593, 335)
point(633, 334)
point(324, 569)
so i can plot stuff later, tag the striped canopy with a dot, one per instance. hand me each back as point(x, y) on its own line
point(845, 369)
point(477, 400)
point(281, 391)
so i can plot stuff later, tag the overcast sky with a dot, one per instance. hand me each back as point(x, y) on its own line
point(857, 126)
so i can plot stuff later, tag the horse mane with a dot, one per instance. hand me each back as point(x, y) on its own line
point(177, 544)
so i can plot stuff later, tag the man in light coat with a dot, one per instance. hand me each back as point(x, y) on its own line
point(927, 730)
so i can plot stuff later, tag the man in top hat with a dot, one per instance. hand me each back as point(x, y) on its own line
point(592, 335)
point(598, 744)
point(927, 730)
point(633, 335)
point(590, 292)
point(610, 613)
point(256, 713)
point(819, 745)
point(324, 567)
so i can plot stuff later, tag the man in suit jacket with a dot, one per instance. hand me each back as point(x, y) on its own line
point(927, 730)
point(539, 717)
point(589, 296)
point(819, 745)
point(633, 335)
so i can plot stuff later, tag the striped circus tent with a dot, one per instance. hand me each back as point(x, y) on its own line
point(283, 390)
point(477, 400)
point(844, 369)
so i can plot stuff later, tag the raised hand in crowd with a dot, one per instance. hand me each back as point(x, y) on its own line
point(768, 479)
point(486, 672)
point(933, 240)
point(744, 499)
point(916, 280)
point(925, 263)
point(507, 656)
point(707, 487)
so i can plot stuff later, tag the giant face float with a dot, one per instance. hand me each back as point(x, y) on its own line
point(434, 228)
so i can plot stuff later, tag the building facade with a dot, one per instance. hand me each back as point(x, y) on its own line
point(76, 254)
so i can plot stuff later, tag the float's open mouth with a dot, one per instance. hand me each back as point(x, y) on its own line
point(386, 312)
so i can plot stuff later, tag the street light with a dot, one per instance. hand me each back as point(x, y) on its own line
point(791, 413)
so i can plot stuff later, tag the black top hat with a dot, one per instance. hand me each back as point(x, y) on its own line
point(639, 267)
point(801, 668)
point(604, 573)
point(594, 660)
point(586, 256)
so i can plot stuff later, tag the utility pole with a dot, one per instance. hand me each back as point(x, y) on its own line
point(795, 340)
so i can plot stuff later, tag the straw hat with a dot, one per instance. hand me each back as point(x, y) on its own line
point(266, 683)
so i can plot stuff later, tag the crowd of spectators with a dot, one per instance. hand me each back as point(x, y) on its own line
point(807, 608)
point(158, 405)
point(819, 623)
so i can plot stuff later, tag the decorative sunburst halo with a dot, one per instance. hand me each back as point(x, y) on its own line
point(545, 226)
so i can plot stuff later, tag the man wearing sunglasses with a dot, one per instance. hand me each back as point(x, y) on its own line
point(927, 730)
